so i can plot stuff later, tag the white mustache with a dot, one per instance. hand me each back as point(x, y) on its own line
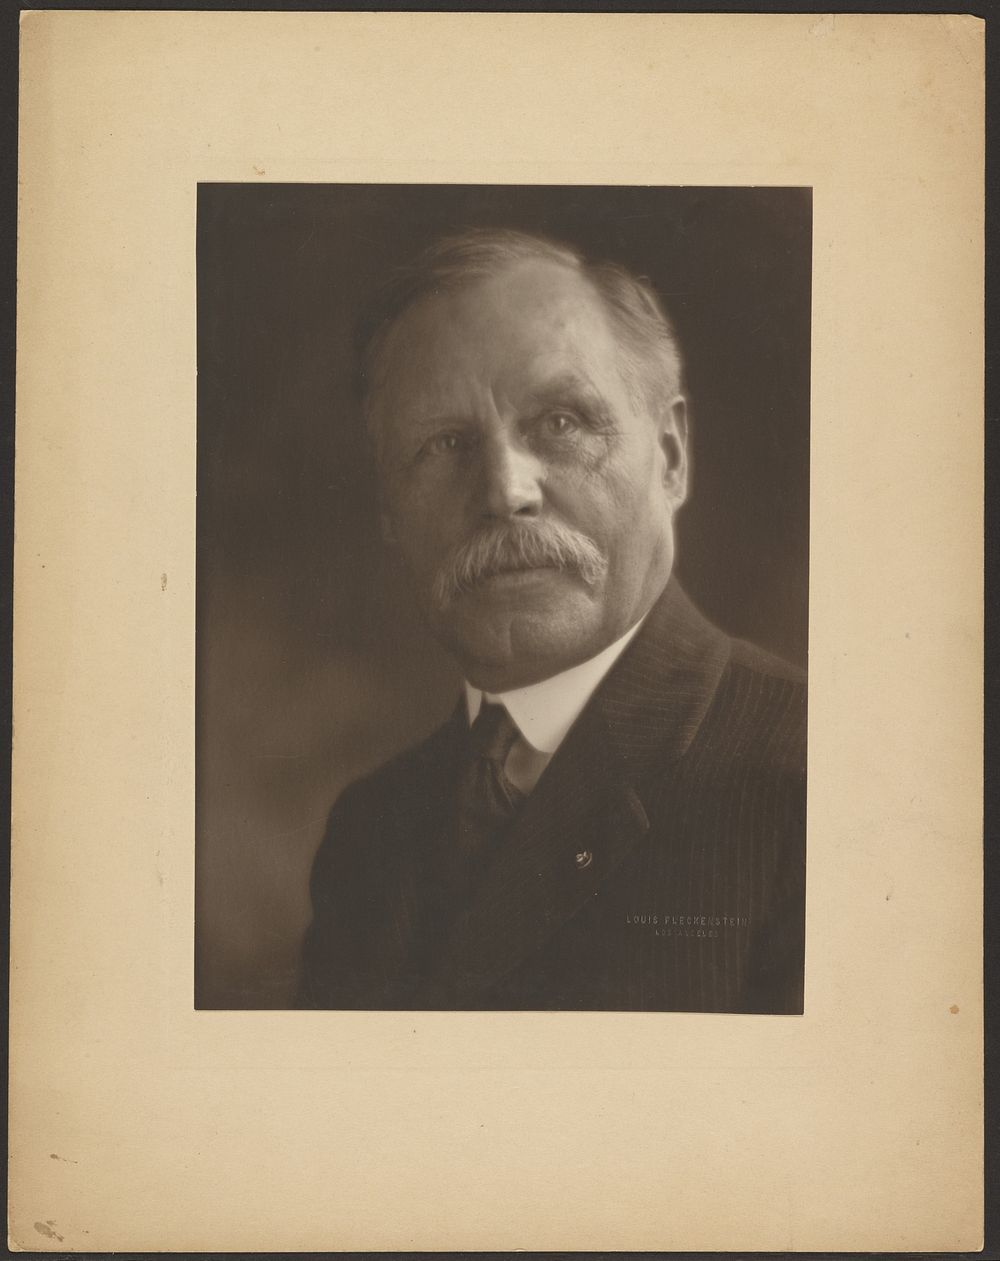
point(501, 548)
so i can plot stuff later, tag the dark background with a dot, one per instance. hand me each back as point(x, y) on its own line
point(312, 664)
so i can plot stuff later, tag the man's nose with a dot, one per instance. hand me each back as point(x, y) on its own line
point(512, 478)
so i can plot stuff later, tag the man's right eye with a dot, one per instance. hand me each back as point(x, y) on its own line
point(447, 443)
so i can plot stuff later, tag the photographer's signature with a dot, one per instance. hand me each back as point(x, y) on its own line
point(669, 925)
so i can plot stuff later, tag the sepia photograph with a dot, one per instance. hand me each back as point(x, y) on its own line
point(498, 671)
point(502, 597)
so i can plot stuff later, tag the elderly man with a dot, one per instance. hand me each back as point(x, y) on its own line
point(614, 817)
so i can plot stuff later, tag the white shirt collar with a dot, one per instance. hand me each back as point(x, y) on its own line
point(544, 712)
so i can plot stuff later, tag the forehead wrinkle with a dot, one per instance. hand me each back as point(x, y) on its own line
point(448, 399)
point(495, 345)
point(563, 384)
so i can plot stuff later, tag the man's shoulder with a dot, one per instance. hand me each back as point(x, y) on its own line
point(699, 685)
point(767, 665)
point(761, 705)
point(402, 795)
point(405, 771)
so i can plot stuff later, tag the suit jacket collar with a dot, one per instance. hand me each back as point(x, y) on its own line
point(544, 712)
point(587, 811)
point(654, 700)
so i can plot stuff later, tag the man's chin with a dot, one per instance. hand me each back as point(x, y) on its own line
point(518, 628)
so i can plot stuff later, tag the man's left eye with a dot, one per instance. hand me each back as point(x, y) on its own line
point(560, 424)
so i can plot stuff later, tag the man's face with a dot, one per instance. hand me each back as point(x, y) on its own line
point(529, 486)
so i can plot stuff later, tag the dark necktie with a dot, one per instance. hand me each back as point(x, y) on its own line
point(486, 798)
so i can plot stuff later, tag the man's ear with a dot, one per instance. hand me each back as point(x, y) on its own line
point(674, 445)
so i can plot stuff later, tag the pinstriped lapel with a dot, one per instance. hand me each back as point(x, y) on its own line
point(654, 701)
point(589, 800)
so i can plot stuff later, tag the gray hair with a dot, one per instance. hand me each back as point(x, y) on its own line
point(651, 358)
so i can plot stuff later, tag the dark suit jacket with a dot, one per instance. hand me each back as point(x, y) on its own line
point(659, 864)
